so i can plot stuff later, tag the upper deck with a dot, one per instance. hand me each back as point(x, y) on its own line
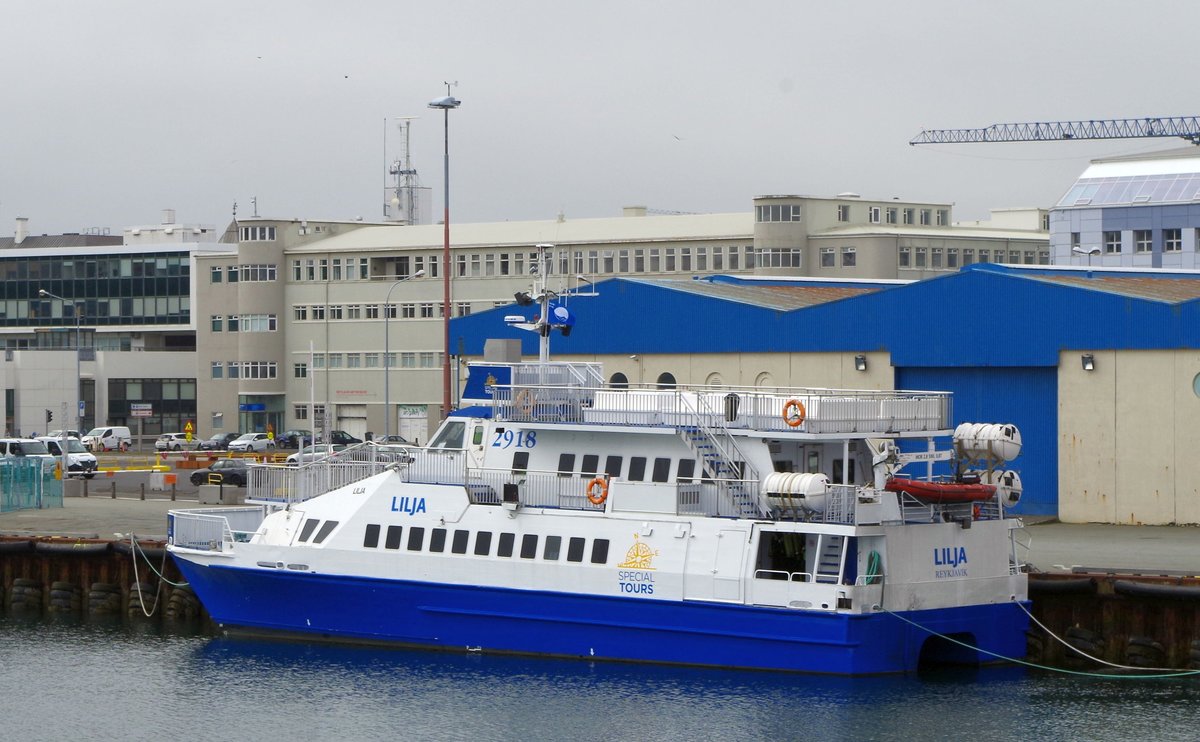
point(576, 393)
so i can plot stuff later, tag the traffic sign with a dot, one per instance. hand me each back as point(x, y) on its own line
point(187, 431)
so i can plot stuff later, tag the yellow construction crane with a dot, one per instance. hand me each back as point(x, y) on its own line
point(1185, 127)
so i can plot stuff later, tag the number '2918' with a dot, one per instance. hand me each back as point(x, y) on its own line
point(515, 439)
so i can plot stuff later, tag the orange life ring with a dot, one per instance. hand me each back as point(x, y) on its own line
point(594, 497)
point(794, 421)
point(523, 401)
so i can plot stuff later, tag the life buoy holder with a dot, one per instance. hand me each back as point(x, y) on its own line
point(796, 419)
point(523, 401)
point(597, 491)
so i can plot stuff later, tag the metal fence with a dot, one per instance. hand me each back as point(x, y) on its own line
point(26, 485)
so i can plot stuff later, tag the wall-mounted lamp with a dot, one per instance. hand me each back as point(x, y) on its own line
point(860, 362)
point(1089, 362)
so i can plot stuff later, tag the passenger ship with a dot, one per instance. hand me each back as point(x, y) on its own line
point(731, 527)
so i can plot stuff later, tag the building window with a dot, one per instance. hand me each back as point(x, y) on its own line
point(217, 321)
point(1172, 240)
point(781, 257)
point(353, 360)
point(426, 310)
point(952, 258)
point(891, 215)
point(259, 369)
point(218, 370)
point(300, 370)
point(408, 360)
point(1142, 240)
point(943, 217)
point(905, 260)
point(849, 257)
point(232, 323)
point(215, 273)
point(873, 214)
point(231, 274)
point(827, 257)
point(372, 360)
point(968, 256)
point(257, 234)
point(258, 272)
point(843, 212)
point(232, 367)
point(300, 312)
point(1112, 242)
point(258, 323)
point(936, 258)
point(295, 270)
point(333, 360)
point(777, 213)
point(925, 217)
point(1075, 240)
point(921, 255)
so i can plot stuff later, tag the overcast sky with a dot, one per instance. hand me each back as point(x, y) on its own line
point(116, 110)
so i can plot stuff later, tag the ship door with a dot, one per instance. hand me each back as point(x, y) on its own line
point(717, 574)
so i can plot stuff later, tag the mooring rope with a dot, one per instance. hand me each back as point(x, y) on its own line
point(1166, 672)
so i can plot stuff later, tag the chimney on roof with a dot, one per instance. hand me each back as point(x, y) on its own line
point(22, 230)
point(168, 216)
point(634, 211)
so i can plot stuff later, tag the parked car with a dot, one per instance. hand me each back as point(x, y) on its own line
point(294, 438)
point(341, 437)
point(309, 454)
point(397, 440)
point(252, 443)
point(59, 434)
point(16, 448)
point(233, 472)
point(79, 461)
point(175, 442)
point(108, 438)
point(218, 442)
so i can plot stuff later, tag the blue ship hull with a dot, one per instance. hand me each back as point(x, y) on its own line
point(488, 619)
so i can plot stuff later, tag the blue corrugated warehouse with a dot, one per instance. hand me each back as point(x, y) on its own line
point(1037, 346)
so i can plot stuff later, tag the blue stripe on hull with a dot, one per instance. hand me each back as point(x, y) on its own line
point(589, 626)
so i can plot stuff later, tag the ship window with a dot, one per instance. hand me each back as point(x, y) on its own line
point(600, 551)
point(566, 464)
point(505, 548)
point(437, 540)
point(591, 462)
point(553, 546)
point(451, 436)
point(371, 538)
point(483, 543)
point(416, 538)
point(477, 436)
point(306, 530)
point(393, 537)
point(520, 461)
point(837, 472)
point(326, 529)
point(459, 546)
point(529, 546)
point(637, 468)
point(612, 466)
point(575, 549)
point(687, 467)
point(781, 556)
point(662, 469)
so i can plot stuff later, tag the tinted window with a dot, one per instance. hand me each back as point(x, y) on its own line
point(600, 551)
point(309, 526)
point(662, 470)
point(505, 547)
point(687, 467)
point(483, 543)
point(393, 537)
point(520, 461)
point(566, 464)
point(612, 466)
point(371, 539)
point(637, 468)
point(416, 539)
point(459, 545)
point(529, 546)
point(437, 540)
point(553, 546)
point(591, 462)
point(326, 529)
point(575, 549)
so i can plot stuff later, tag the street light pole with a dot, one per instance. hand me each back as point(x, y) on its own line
point(387, 356)
point(1088, 251)
point(78, 366)
point(446, 103)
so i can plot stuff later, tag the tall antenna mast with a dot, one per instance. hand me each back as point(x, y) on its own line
point(405, 195)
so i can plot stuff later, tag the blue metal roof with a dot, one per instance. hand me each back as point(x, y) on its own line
point(985, 315)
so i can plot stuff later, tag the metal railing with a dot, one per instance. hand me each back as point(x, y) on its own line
point(212, 529)
point(824, 410)
point(28, 484)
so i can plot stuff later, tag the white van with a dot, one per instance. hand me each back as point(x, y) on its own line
point(110, 438)
point(79, 461)
point(28, 448)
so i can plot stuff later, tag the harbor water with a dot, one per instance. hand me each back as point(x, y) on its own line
point(71, 680)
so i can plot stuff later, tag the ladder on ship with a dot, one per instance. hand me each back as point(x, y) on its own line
point(722, 460)
point(830, 549)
